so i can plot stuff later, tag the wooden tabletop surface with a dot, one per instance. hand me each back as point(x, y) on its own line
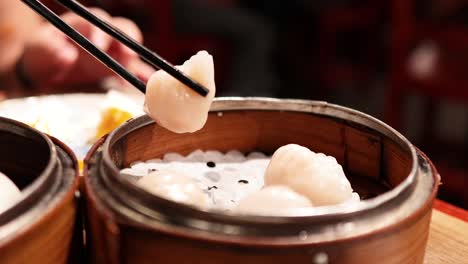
point(448, 236)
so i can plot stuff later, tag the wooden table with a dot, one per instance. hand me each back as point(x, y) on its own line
point(448, 236)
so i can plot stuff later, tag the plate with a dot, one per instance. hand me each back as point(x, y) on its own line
point(72, 118)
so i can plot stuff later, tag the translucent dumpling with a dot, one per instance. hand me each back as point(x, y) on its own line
point(176, 107)
point(175, 186)
point(272, 200)
point(315, 175)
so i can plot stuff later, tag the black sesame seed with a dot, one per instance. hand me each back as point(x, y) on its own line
point(243, 181)
point(211, 164)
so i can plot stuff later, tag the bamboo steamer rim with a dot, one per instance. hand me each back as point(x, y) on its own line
point(38, 198)
point(317, 107)
point(304, 106)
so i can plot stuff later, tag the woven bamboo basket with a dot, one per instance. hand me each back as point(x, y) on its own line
point(126, 224)
point(43, 226)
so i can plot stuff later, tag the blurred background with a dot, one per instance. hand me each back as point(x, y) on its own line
point(402, 61)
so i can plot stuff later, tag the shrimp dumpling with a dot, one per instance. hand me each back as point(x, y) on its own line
point(272, 200)
point(174, 186)
point(175, 106)
point(315, 175)
point(9, 193)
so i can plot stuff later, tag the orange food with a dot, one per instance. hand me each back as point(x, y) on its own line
point(112, 118)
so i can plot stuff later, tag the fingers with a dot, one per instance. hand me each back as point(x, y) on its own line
point(117, 50)
point(142, 70)
point(51, 56)
point(95, 35)
point(88, 68)
point(128, 27)
point(48, 56)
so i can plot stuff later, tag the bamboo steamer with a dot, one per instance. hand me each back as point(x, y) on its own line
point(41, 227)
point(125, 224)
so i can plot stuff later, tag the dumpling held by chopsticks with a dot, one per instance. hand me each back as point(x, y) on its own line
point(173, 105)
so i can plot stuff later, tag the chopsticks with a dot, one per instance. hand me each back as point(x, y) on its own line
point(148, 55)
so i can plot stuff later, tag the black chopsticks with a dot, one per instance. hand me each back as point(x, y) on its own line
point(148, 55)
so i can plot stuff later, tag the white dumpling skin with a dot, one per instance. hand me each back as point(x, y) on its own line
point(316, 176)
point(174, 186)
point(272, 200)
point(175, 106)
point(9, 193)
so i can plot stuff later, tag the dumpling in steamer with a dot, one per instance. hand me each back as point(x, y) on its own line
point(175, 186)
point(316, 176)
point(272, 200)
point(175, 106)
point(9, 193)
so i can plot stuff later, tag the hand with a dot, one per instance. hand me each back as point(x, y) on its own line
point(50, 59)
